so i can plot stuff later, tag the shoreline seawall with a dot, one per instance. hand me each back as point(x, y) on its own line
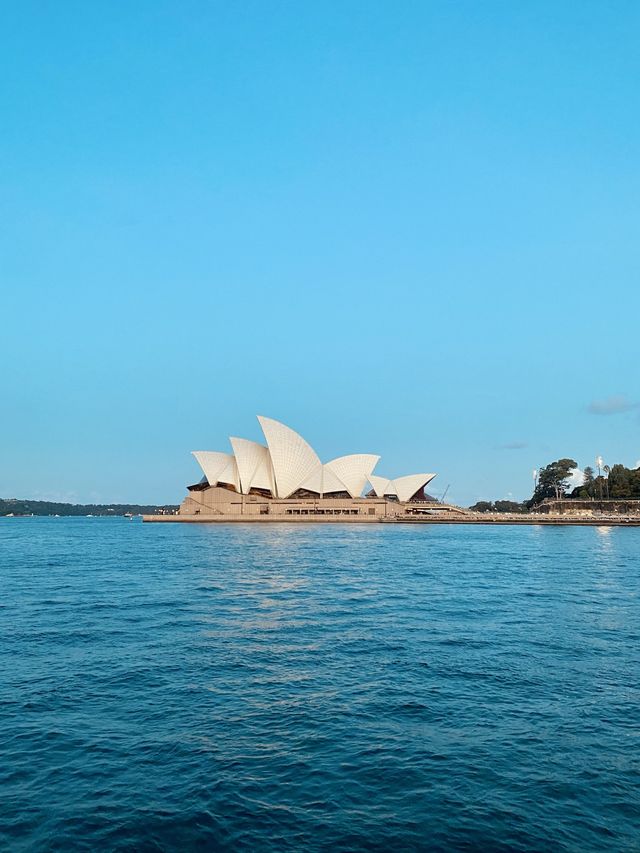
point(545, 520)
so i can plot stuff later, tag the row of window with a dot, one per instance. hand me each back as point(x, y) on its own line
point(323, 511)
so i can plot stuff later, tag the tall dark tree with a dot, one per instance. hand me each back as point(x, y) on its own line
point(624, 482)
point(553, 480)
point(587, 489)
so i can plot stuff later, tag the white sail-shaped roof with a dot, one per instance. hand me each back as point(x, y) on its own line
point(381, 485)
point(254, 465)
point(229, 474)
point(353, 471)
point(218, 467)
point(292, 458)
point(263, 477)
point(323, 481)
point(313, 483)
point(331, 482)
point(289, 463)
point(406, 487)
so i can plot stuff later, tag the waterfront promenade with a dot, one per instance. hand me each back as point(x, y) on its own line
point(435, 518)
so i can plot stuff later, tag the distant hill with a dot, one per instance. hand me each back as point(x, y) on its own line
point(13, 506)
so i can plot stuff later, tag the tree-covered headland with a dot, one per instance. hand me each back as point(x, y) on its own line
point(553, 482)
point(620, 483)
point(614, 482)
point(15, 506)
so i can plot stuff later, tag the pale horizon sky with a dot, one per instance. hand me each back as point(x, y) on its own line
point(406, 229)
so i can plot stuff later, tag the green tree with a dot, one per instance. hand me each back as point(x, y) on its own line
point(624, 482)
point(587, 490)
point(553, 480)
point(498, 506)
point(482, 506)
point(620, 484)
point(509, 506)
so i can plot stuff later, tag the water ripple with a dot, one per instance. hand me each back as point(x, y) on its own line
point(313, 687)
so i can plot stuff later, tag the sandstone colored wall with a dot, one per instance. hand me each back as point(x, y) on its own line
point(220, 501)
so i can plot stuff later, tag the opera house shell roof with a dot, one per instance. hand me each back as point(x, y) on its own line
point(287, 465)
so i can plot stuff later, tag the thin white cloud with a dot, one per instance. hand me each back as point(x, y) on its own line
point(614, 405)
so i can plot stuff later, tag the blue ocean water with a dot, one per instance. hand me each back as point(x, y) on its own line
point(285, 687)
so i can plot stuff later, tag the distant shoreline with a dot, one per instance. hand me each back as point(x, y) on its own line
point(20, 508)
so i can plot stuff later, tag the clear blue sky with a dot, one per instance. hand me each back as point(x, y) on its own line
point(405, 228)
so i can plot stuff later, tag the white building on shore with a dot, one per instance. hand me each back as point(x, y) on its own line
point(285, 477)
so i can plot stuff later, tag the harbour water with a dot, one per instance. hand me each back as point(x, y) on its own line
point(293, 687)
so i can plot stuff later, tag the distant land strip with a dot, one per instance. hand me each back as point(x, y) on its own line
point(16, 507)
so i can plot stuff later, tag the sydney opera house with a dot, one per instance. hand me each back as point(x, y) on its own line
point(285, 480)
